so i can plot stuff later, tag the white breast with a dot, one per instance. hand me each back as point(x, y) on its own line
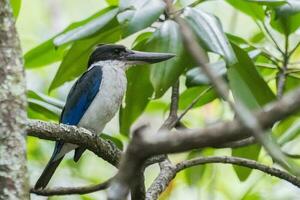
point(108, 100)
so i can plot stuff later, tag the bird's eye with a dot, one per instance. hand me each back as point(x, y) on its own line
point(117, 51)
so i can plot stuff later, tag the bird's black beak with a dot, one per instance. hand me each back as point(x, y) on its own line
point(139, 57)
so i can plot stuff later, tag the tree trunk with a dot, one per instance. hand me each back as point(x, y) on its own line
point(13, 171)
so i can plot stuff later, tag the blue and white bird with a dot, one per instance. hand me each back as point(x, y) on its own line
point(96, 96)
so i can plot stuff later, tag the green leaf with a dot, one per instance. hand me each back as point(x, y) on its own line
point(41, 106)
point(209, 31)
point(140, 14)
point(43, 54)
point(248, 87)
point(156, 106)
point(286, 24)
point(292, 81)
point(42, 110)
point(237, 40)
point(290, 133)
point(250, 195)
point(292, 7)
point(141, 39)
point(16, 5)
point(115, 140)
point(167, 39)
point(139, 90)
point(251, 9)
point(47, 99)
point(195, 76)
point(257, 37)
point(112, 2)
point(246, 83)
point(286, 130)
point(273, 3)
point(193, 174)
point(86, 30)
point(286, 18)
point(75, 61)
point(47, 53)
point(138, 94)
point(249, 152)
point(279, 128)
point(188, 96)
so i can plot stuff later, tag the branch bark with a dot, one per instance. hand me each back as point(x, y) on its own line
point(13, 170)
point(282, 73)
point(71, 190)
point(241, 162)
point(223, 132)
point(72, 134)
point(162, 181)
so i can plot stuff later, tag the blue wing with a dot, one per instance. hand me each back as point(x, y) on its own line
point(79, 99)
point(81, 96)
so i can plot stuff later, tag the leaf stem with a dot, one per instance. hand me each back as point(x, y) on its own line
point(282, 73)
point(194, 102)
point(273, 39)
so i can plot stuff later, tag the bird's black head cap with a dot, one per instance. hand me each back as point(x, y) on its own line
point(104, 52)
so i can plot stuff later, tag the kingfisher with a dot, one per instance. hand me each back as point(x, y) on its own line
point(96, 96)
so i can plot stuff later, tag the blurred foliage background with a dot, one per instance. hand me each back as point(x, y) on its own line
point(58, 35)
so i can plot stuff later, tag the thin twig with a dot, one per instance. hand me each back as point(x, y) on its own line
point(282, 73)
point(241, 162)
point(194, 102)
point(272, 38)
point(293, 50)
point(71, 190)
point(170, 122)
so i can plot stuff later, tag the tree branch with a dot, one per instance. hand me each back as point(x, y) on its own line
point(162, 182)
point(238, 144)
point(283, 71)
point(170, 122)
point(138, 190)
point(241, 162)
point(80, 136)
point(223, 132)
point(72, 190)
